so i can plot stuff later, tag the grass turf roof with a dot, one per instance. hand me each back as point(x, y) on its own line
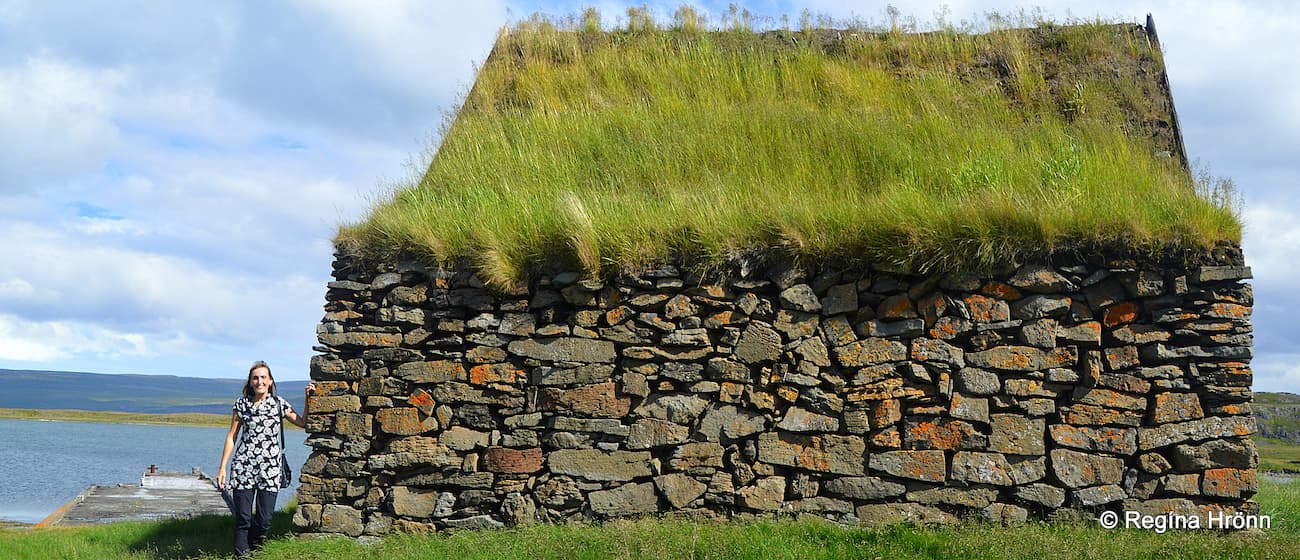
point(920, 152)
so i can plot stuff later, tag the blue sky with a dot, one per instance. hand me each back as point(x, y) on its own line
point(172, 173)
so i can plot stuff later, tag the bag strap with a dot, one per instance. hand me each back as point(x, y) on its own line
point(279, 405)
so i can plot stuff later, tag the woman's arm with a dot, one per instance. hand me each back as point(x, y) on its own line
point(227, 449)
point(300, 420)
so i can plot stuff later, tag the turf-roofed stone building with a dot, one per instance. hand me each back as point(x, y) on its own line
point(862, 276)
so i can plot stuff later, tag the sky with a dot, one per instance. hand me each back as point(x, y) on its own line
point(171, 174)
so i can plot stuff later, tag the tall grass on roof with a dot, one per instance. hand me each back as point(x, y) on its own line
point(922, 152)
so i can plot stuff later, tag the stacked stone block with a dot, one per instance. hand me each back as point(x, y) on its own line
point(1043, 391)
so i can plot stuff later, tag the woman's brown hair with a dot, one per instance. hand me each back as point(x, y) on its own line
point(248, 384)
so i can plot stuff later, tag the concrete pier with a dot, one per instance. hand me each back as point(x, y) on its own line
point(160, 495)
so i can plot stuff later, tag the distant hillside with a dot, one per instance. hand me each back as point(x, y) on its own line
point(149, 394)
point(1278, 415)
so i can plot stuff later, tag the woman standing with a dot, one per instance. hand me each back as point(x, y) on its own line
point(255, 476)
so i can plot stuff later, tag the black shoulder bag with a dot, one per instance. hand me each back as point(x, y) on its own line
point(286, 474)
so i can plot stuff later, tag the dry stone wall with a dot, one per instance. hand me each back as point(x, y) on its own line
point(1043, 391)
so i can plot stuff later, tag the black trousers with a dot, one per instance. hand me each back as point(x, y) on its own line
point(252, 526)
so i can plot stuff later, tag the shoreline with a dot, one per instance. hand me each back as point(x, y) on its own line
point(190, 419)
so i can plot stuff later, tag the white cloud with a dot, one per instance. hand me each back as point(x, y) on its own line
point(1272, 237)
point(237, 213)
point(108, 227)
point(16, 288)
point(172, 176)
point(58, 277)
point(1272, 246)
point(47, 341)
point(55, 121)
point(356, 69)
point(399, 35)
point(1277, 372)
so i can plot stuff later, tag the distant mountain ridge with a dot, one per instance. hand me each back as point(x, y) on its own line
point(148, 394)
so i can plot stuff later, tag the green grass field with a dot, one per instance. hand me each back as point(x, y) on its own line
point(962, 148)
point(182, 419)
point(209, 537)
point(179, 419)
point(1276, 455)
point(1276, 399)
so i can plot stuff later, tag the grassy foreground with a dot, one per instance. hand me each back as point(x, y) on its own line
point(962, 148)
point(209, 537)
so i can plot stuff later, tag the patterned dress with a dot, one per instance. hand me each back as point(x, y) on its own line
point(257, 459)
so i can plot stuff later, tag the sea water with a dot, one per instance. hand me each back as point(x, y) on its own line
point(44, 464)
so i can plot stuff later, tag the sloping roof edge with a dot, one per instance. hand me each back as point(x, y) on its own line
point(1169, 94)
